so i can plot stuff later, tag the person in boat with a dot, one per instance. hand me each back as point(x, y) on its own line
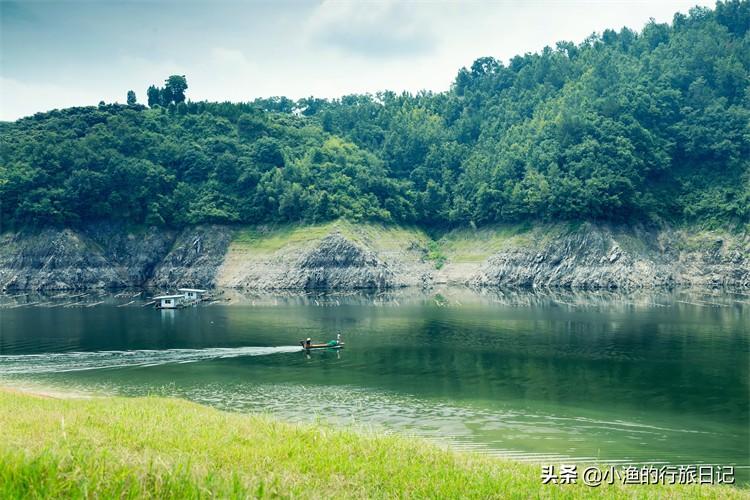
point(307, 344)
point(337, 342)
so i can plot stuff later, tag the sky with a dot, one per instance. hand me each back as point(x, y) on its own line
point(56, 54)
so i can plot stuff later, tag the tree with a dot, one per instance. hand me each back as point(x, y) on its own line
point(154, 96)
point(175, 87)
point(625, 127)
point(173, 92)
point(485, 66)
point(131, 98)
point(251, 126)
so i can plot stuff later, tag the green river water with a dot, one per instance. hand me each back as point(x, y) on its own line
point(648, 377)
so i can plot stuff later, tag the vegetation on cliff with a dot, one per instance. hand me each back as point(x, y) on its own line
point(625, 126)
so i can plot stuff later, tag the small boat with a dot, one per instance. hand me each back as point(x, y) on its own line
point(330, 345)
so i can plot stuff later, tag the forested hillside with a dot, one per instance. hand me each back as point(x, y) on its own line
point(625, 126)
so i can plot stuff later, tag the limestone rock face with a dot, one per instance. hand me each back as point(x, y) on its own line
point(595, 257)
point(584, 256)
point(109, 256)
point(338, 263)
point(193, 259)
point(334, 263)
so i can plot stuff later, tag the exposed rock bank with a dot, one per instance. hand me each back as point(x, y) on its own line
point(345, 256)
point(334, 261)
point(193, 259)
point(593, 257)
point(110, 256)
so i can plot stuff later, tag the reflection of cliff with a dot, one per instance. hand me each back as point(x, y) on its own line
point(450, 297)
point(345, 256)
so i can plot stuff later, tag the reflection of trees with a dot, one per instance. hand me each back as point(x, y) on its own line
point(673, 350)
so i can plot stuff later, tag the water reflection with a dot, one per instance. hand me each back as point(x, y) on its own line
point(641, 299)
point(648, 376)
point(167, 316)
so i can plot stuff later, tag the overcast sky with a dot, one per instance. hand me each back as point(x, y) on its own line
point(66, 53)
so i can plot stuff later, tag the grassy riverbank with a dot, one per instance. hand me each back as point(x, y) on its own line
point(166, 448)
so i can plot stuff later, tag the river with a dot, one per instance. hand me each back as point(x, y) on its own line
point(644, 377)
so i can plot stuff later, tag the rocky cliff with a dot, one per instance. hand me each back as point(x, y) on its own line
point(355, 256)
point(335, 263)
point(593, 257)
point(193, 258)
point(110, 256)
point(337, 256)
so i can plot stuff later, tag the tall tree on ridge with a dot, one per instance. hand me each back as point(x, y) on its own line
point(175, 87)
point(154, 96)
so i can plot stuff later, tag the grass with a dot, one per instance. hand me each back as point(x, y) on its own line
point(168, 448)
point(458, 246)
point(694, 240)
point(274, 238)
point(382, 238)
point(477, 245)
point(387, 237)
point(435, 254)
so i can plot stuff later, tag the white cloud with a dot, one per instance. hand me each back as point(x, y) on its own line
point(229, 57)
point(18, 99)
point(249, 50)
point(387, 28)
point(227, 74)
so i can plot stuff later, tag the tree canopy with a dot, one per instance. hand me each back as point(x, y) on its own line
point(173, 92)
point(625, 126)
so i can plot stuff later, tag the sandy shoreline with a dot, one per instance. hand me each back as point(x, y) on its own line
point(45, 392)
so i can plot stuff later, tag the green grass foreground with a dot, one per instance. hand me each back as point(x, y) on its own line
point(167, 448)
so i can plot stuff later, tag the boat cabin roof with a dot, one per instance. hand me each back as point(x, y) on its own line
point(197, 290)
point(160, 297)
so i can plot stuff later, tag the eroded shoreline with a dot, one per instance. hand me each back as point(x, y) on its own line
point(362, 256)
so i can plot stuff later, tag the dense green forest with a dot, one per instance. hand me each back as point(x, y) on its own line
point(625, 126)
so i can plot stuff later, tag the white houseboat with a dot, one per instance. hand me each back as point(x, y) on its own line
point(192, 294)
point(170, 301)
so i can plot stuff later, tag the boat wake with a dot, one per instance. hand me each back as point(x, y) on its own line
point(79, 361)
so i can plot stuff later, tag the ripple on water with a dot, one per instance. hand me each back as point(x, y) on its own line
point(98, 360)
